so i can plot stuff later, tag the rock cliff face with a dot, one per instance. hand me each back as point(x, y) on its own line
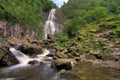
point(19, 36)
point(17, 30)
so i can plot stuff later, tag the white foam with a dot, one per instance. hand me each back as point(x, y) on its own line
point(24, 59)
point(12, 49)
point(50, 25)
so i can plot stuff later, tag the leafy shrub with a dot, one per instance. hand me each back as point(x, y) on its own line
point(25, 12)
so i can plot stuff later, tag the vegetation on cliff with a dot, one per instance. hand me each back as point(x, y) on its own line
point(79, 13)
point(90, 27)
point(25, 12)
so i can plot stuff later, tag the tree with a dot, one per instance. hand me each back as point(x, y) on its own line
point(25, 12)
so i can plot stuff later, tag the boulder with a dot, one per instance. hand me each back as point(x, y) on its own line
point(113, 64)
point(65, 51)
point(58, 48)
point(31, 49)
point(66, 64)
point(8, 60)
point(33, 62)
point(51, 36)
point(60, 55)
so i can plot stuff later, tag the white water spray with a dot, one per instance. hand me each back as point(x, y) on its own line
point(24, 59)
point(50, 25)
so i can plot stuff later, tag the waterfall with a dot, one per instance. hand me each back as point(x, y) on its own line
point(50, 25)
point(24, 59)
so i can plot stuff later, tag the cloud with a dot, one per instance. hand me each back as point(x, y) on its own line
point(59, 3)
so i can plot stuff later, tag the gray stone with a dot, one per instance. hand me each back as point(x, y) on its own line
point(66, 64)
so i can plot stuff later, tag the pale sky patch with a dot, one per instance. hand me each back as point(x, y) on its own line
point(59, 3)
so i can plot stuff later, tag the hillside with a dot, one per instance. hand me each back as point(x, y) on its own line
point(21, 21)
point(81, 40)
point(79, 13)
point(97, 43)
point(91, 32)
point(25, 13)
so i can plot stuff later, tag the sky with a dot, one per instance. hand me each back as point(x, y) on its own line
point(59, 3)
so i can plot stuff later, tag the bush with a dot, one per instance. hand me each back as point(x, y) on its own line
point(25, 12)
point(72, 28)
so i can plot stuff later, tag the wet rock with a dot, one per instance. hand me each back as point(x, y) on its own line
point(92, 57)
point(33, 62)
point(66, 64)
point(98, 56)
point(58, 74)
point(60, 55)
point(108, 34)
point(47, 41)
point(34, 56)
point(28, 46)
point(70, 55)
point(76, 54)
point(80, 38)
point(61, 72)
point(103, 64)
point(79, 47)
point(113, 64)
point(111, 57)
point(30, 49)
point(51, 36)
point(65, 51)
point(52, 52)
point(58, 48)
point(8, 60)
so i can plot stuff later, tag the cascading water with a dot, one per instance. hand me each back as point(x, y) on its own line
point(24, 59)
point(26, 71)
point(50, 25)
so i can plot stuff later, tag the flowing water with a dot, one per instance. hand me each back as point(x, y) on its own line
point(43, 71)
point(86, 71)
point(26, 71)
point(24, 59)
point(50, 25)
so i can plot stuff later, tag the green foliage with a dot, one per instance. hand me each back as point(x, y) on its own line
point(91, 25)
point(25, 12)
point(79, 13)
point(21, 11)
point(48, 5)
point(72, 29)
point(61, 39)
point(97, 13)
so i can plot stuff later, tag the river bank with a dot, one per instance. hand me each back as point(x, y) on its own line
point(73, 52)
point(94, 48)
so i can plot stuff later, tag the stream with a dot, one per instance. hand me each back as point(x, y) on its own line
point(39, 68)
point(82, 71)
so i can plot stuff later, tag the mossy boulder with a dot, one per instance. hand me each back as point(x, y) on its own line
point(66, 64)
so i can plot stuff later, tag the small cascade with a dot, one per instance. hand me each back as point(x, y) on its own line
point(45, 52)
point(25, 59)
point(22, 58)
point(50, 25)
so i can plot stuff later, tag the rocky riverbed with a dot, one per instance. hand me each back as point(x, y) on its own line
point(100, 52)
point(64, 58)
